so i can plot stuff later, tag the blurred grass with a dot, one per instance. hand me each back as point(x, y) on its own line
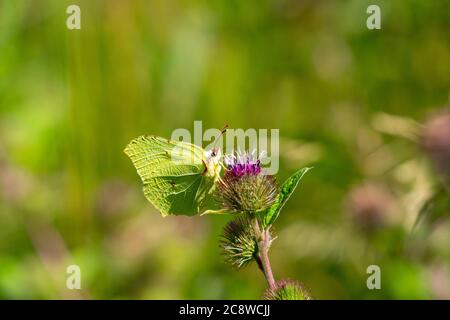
point(71, 100)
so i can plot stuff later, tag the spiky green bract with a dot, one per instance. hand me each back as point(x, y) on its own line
point(239, 242)
point(247, 193)
point(287, 289)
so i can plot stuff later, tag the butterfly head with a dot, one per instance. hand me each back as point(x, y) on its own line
point(213, 157)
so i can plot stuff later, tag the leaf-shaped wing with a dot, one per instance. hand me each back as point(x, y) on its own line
point(172, 173)
point(287, 189)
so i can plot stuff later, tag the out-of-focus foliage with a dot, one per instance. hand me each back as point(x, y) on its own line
point(347, 100)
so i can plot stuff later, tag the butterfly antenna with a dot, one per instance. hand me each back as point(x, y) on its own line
point(222, 131)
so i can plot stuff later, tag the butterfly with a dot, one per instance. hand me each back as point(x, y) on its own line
point(179, 178)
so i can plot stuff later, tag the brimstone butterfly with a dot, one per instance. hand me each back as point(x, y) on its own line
point(179, 177)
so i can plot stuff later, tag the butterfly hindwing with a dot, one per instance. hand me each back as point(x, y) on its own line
point(172, 173)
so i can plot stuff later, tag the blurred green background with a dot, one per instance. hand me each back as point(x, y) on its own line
point(349, 101)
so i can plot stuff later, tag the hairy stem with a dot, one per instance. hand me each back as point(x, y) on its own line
point(263, 255)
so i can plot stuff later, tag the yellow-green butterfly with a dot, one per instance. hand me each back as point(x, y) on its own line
point(178, 177)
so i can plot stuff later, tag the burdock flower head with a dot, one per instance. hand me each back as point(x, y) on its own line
point(244, 187)
point(370, 206)
point(239, 242)
point(287, 289)
point(436, 142)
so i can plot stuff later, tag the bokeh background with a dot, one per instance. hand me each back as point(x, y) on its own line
point(365, 108)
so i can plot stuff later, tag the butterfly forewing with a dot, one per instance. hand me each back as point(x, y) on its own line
point(172, 173)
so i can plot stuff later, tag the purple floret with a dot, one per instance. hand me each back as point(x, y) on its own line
point(243, 164)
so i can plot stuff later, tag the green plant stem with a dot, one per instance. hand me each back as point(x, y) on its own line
point(264, 256)
point(263, 253)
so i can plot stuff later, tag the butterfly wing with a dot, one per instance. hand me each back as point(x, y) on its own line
point(173, 174)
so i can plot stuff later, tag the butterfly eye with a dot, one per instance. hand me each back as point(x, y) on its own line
point(213, 153)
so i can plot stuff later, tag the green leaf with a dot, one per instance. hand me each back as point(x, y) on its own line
point(287, 189)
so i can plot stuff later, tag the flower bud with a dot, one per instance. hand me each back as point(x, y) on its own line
point(287, 289)
point(369, 205)
point(436, 142)
point(239, 242)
